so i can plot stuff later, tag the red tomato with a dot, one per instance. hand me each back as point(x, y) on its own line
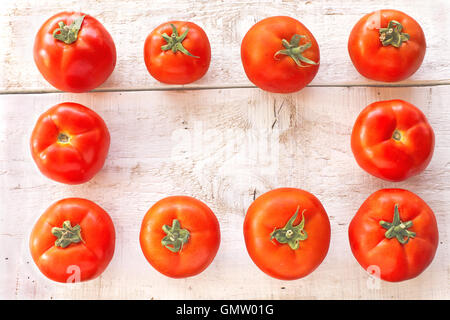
point(70, 143)
point(180, 236)
point(177, 52)
point(74, 52)
point(392, 140)
point(73, 241)
point(279, 54)
point(387, 45)
point(287, 233)
point(394, 232)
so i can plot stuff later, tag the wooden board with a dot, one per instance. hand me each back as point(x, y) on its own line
point(226, 23)
point(220, 140)
point(219, 146)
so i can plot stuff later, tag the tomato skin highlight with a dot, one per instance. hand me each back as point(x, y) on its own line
point(78, 160)
point(201, 248)
point(177, 68)
point(396, 261)
point(386, 63)
point(80, 66)
point(278, 74)
point(379, 153)
point(272, 210)
point(91, 256)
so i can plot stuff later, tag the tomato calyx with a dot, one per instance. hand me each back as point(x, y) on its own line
point(398, 228)
point(392, 35)
point(294, 50)
point(174, 42)
point(68, 34)
point(290, 234)
point(67, 234)
point(176, 237)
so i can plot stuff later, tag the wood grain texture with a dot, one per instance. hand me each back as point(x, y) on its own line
point(225, 22)
point(220, 146)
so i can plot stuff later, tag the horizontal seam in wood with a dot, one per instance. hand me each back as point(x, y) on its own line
point(234, 87)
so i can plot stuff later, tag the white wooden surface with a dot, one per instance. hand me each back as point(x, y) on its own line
point(225, 22)
point(221, 143)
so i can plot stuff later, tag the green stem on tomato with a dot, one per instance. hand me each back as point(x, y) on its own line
point(294, 50)
point(67, 234)
point(392, 35)
point(176, 236)
point(174, 42)
point(290, 234)
point(397, 228)
point(68, 34)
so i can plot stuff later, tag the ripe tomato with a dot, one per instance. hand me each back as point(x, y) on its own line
point(279, 54)
point(73, 241)
point(180, 236)
point(74, 52)
point(70, 143)
point(287, 233)
point(387, 45)
point(395, 232)
point(392, 140)
point(177, 52)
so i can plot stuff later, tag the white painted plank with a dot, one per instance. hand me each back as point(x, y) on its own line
point(225, 22)
point(218, 146)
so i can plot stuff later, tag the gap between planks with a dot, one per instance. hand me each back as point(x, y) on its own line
point(177, 88)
